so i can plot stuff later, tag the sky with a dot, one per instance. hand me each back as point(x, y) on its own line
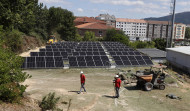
point(133, 9)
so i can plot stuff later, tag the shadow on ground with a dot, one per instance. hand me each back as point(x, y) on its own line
point(107, 96)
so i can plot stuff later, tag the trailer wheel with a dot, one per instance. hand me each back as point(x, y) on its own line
point(148, 86)
point(161, 86)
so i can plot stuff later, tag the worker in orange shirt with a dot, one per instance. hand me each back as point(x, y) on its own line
point(82, 79)
point(117, 85)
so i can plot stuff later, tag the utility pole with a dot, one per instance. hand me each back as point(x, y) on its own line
point(173, 23)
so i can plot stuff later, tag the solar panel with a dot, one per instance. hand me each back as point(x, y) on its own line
point(57, 54)
point(49, 53)
point(124, 58)
point(62, 50)
point(33, 53)
point(42, 53)
point(98, 63)
point(131, 53)
point(48, 59)
point(59, 64)
point(106, 63)
point(96, 58)
point(125, 53)
point(139, 58)
point(104, 58)
point(58, 59)
point(145, 57)
point(81, 63)
point(50, 50)
point(134, 62)
point(119, 62)
point(116, 58)
point(96, 53)
point(40, 64)
point(31, 64)
point(48, 47)
point(119, 53)
point(148, 62)
point(102, 53)
point(72, 59)
point(90, 63)
point(30, 59)
point(55, 50)
point(73, 63)
point(137, 53)
point(141, 62)
point(75, 53)
point(131, 58)
point(127, 63)
point(88, 58)
point(80, 58)
point(64, 54)
point(40, 59)
point(82, 53)
point(42, 50)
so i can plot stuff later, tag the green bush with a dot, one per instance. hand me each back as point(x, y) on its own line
point(49, 102)
point(11, 76)
point(160, 43)
point(13, 40)
point(117, 36)
point(89, 36)
point(141, 44)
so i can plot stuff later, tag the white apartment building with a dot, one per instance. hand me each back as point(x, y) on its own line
point(134, 28)
point(179, 31)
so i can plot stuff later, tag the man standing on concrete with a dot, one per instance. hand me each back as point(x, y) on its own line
point(117, 85)
point(82, 79)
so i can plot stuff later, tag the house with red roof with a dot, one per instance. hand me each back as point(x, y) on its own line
point(84, 24)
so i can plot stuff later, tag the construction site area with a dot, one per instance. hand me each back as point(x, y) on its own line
point(100, 91)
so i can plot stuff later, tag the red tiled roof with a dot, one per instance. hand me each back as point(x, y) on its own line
point(87, 20)
point(158, 22)
point(94, 25)
point(130, 20)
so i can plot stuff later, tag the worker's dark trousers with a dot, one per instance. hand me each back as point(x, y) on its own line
point(82, 87)
point(117, 92)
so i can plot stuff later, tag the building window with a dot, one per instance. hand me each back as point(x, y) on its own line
point(100, 32)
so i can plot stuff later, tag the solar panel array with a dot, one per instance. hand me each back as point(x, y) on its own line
point(78, 54)
point(125, 56)
point(88, 54)
point(85, 54)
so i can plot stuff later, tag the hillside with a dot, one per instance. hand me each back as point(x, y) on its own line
point(183, 17)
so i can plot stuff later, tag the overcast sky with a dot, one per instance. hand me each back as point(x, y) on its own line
point(134, 9)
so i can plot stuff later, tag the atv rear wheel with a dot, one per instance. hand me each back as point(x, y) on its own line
point(161, 86)
point(148, 86)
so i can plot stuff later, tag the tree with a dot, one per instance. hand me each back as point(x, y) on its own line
point(62, 21)
point(11, 76)
point(89, 36)
point(187, 33)
point(160, 43)
point(116, 35)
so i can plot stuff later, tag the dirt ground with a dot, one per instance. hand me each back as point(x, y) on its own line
point(100, 92)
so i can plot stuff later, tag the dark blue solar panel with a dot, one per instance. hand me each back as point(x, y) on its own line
point(49, 59)
point(73, 63)
point(72, 59)
point(119, 62)
point(98, 63)
point(82, 64)
point(50, 64)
